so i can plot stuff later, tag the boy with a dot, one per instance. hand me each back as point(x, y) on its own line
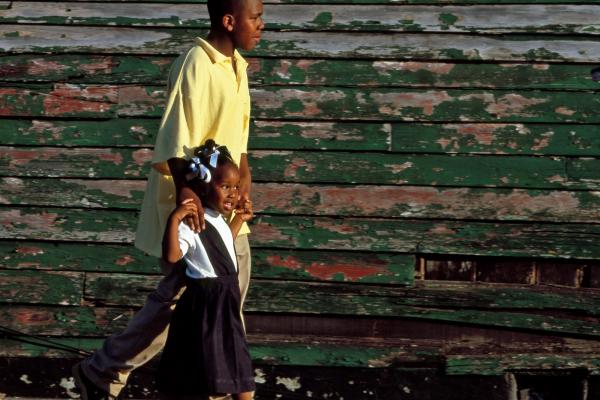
point(208, 97)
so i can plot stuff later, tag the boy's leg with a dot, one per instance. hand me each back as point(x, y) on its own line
point(242, 251)
point(144, 336)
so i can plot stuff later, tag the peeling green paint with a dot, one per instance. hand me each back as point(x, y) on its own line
point(447, 20)
point(322, 19)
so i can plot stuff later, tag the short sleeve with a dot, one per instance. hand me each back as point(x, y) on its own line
point(186, 238)
point(181, 127)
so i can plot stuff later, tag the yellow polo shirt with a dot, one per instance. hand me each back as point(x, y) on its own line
point(207, 99)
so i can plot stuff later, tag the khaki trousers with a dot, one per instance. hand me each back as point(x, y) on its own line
point(146, 333)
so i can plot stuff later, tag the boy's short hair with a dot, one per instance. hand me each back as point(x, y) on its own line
point(218, 8)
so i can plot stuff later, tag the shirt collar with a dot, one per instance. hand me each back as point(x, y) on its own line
point(211, 213)
point(217, 57)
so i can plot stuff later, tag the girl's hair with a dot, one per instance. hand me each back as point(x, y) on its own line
point(206, 160)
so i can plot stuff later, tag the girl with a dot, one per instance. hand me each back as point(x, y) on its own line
point(206, 351)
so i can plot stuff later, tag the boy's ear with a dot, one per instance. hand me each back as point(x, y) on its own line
point(228, 22)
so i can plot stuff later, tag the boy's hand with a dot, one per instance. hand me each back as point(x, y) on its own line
point(244, 210)
point(194, 220)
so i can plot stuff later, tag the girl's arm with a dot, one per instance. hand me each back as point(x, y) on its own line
point(178, 168)
point(171, 252)
point(242, 214)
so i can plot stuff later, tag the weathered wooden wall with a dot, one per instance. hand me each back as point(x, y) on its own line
point(427, 187)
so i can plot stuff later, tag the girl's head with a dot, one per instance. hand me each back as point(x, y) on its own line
point(214, 177)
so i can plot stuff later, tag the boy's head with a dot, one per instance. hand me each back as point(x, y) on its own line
point(241, 20)
point(214, 177)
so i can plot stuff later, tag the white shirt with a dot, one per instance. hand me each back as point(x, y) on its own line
point(194, 253)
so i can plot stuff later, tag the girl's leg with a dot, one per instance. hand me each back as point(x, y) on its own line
point(243, 396)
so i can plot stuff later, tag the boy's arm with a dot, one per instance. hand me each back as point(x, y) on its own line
point(242, 214)
point(235, 225)
point(179, 168)
point(245, 179)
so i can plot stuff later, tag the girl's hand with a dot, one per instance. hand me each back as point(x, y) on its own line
point(185, 211)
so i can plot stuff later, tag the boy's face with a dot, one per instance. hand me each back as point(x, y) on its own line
point(223, 194)
point(248, 24)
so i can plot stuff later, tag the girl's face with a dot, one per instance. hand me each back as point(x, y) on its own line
point(223, 193)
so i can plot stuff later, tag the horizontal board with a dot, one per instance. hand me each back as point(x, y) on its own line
point(322, 167)
point(279, 350)
point(328, 200)
point(308, 103)
point(62, 224)
point(45, 256)
point(486, 138)
point(542, 139)
point(37, 287)
point(131, 69)
point(73, 39)
point(425, 105)
point(101, 321)
point(396, 269)
point(430, 237)
point(494, 364)
point(568, 19)
point(332, 266)
point(578, 241)
point(399, 2)
point(437, 170)
point(116, 290)
point(137, 132)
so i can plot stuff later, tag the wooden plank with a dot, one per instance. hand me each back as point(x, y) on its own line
point(306, 298)
point(399, 2)
point(470, 138)
point(131, 132)
point(285, 350)
point(36, 287)
point(425, 105)
point(100, 321)
point(116, 290)
point(377, 168)
point(322, 167)
point(390, 73)
point(335, 266)
point(329, 200)
point(497, 364)
point(76, 162)
point(577, 241)
point(430, 237)
point(396, 269)
point(62, 224)
point(74, 39)
point(138, 132)
point(309, 103)
point(43, 256)
point(130, 69)
point(566, 19)
point(497, 138)
point(92, 322)
point(81, 193)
